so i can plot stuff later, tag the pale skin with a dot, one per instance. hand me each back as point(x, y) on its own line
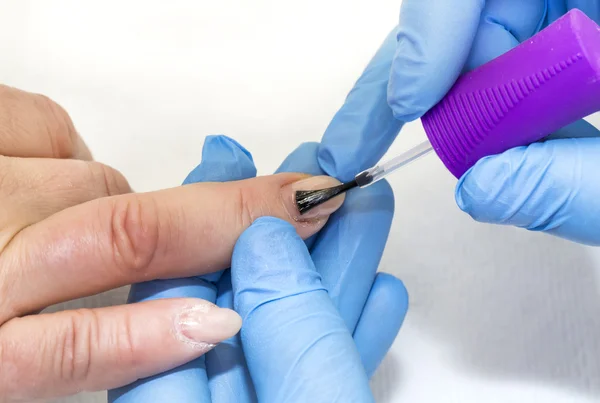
point(72, 227)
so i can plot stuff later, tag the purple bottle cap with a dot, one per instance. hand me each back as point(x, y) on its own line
point(542, 85)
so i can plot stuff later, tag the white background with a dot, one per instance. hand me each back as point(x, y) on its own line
point(497, 314)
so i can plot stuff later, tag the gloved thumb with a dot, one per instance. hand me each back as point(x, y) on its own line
point(550, 187)
point(298, 348)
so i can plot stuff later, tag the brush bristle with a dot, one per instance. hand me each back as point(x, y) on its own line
point(309, 199)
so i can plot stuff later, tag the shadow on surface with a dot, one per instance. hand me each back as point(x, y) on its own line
point(388, 379)
point(506, 303)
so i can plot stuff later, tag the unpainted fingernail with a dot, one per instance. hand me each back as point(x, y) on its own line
point(205, 325)
point(312, 183)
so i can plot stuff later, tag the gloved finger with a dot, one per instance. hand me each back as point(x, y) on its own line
point(303, 159)
point(223, 159)
point(578, 129)
point(380, 321)
point(364, 128)
point(550, 186)
point(434, 41)
point(503, 25)
point(297, 346)
point(590, 7)
point(348, 250)
point(347, 254)
point(228, 376)
point(58, 354)
point(556, 8)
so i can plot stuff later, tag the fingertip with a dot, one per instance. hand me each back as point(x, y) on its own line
point(223, 159)
point(381, 320)
point(261, 239)
point(477, 190)
point(416, 81)
point(532, 187)
point(303, 159)
point(219, 142)
point(364, 128)
point(434, 42)
point(384, 193)
point(270, 261)
point(391, 290)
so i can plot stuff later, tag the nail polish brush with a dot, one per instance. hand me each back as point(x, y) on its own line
point(524, 95)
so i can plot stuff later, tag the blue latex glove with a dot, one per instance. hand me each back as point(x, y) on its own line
point(346, 253)
point(550, 186)
point(307, 354)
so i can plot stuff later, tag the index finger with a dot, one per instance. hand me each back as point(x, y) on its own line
point(115, 241)
point(364, 127)
point(434, 42)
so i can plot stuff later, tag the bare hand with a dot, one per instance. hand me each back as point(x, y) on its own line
point(71, 227)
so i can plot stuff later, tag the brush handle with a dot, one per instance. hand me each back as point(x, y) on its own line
point(542, 85)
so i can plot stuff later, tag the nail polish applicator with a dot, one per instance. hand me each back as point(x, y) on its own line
point(538, 87)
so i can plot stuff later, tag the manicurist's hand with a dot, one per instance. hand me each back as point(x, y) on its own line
point(550, 186)
point(71, 227)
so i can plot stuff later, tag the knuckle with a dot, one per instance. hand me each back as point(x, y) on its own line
point(125, 345)
point(134, 234)
point(73, 354)
point(245, 207)
point(59, 127)
point(89, 335)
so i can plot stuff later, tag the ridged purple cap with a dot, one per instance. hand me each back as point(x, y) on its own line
point(542, 85)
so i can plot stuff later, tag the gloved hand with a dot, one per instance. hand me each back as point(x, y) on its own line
point(346, 254)
point(298, 347)
point(551, 186)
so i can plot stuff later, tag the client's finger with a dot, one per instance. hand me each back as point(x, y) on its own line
point(33, 125)
point(303, 159)
point(52, 355)
point(35, 188)
point(115, 241)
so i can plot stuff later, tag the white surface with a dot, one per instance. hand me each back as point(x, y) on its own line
point(497, 314)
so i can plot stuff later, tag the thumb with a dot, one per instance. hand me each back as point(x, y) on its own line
point(297, 346)
point(550, 187)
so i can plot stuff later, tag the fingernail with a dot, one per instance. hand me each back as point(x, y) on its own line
point(205, 325)
point(312, 183)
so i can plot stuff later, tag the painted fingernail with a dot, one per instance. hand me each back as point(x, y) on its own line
point(312, 183)
point(205, 325)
